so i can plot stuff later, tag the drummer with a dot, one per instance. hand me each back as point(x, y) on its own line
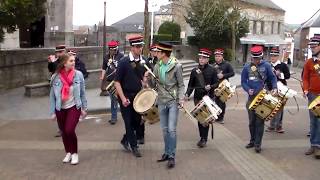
point(203, 80)
point(129, 80)
point(311, 89)
point(281, 70)
point(253, 79)
point(225, 71)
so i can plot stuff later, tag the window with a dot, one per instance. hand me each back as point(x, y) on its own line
point(279, 27)
point(262, 27)
point(254, 29)
point(272, 26)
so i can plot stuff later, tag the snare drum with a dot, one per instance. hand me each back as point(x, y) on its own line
point(112, 89)
point(206, 111)
point(314, 106)
point(265, 105)
point(145, 104)
point(225, 91)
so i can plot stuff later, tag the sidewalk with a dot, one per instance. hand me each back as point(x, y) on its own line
point(24, 108)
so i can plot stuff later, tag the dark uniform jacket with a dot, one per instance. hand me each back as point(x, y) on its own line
point(80, 66)
point(285, 73)
point(199, 78)
point(52, 66)
point(110, 67)
point(129, 74)
point(225, 68)
point(151, 62)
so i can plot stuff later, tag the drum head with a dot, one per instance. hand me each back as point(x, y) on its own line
point(144, 100)
point(257, 99)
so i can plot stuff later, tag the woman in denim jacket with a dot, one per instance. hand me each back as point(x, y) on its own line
point(67, 103)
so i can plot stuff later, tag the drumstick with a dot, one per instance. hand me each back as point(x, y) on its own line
point(158, 81)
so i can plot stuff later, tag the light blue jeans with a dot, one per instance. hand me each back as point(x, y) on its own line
point(114, 107)
point(314, 125)
point(168, 121)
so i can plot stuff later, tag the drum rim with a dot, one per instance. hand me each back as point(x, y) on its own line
point(255, 100)
point(314, 103)
point(139, 94)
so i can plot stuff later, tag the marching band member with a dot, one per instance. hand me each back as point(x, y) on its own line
point(53, 60)
point(253, 79)
point(225, 71)
point(311, 88)
point(169, 73)
point(281, 70)
point(153, 59)
point(129, 80)
point(110, 63)
point(202, 79)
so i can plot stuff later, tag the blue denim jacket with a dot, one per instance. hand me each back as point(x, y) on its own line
point(78, 92)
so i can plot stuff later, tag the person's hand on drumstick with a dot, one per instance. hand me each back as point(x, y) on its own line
point(186, 98)
point(251, 91)
point(181, 103)
point(220, 75)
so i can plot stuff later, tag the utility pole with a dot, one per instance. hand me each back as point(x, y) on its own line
point(104, 51)
point(146, 29)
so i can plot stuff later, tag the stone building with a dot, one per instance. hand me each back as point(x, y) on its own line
point(266, 23)
point(55, 27)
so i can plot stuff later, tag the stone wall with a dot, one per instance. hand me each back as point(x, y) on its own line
point(26, 66)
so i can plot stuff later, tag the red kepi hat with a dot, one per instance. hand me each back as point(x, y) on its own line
point(205, 52)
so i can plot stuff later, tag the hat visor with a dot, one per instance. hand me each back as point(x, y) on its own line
point(275, 54)
point(59, 50)
point(137, 43)
point(204, 55)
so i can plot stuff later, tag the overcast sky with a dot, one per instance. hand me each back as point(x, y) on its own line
point(89, 12)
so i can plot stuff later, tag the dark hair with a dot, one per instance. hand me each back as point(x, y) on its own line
point(62, 60)
point(167, 53)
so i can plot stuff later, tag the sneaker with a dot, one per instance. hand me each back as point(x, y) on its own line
point(164, 157)
point(270, 129)
point(67, 158)
point(280, 130)
point(74, 159)
point(250, 145)
point(308, 134)
point(257, 149)
point(310, 151)
point(171, 163)
point(112, 122)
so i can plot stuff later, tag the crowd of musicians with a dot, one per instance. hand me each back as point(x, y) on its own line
point(162, 72)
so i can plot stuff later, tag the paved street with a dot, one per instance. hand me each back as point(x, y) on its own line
point(28, 150)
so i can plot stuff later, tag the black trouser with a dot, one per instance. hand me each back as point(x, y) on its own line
point(132, 121)
point(222, 105)
point(203, 130)
point(256, 126)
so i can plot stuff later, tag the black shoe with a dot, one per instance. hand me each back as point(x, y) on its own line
point(112, 122)
point(257, 149)
point(250, 145)
point(171, 163)
point(163, 158)
point(136, 152)
point(125, 144)
point(202, 143)
point(140, 141)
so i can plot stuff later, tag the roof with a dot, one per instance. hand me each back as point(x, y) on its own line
point(132, 23)
point(314, 21)
point(264, 3)
point(266, 40)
